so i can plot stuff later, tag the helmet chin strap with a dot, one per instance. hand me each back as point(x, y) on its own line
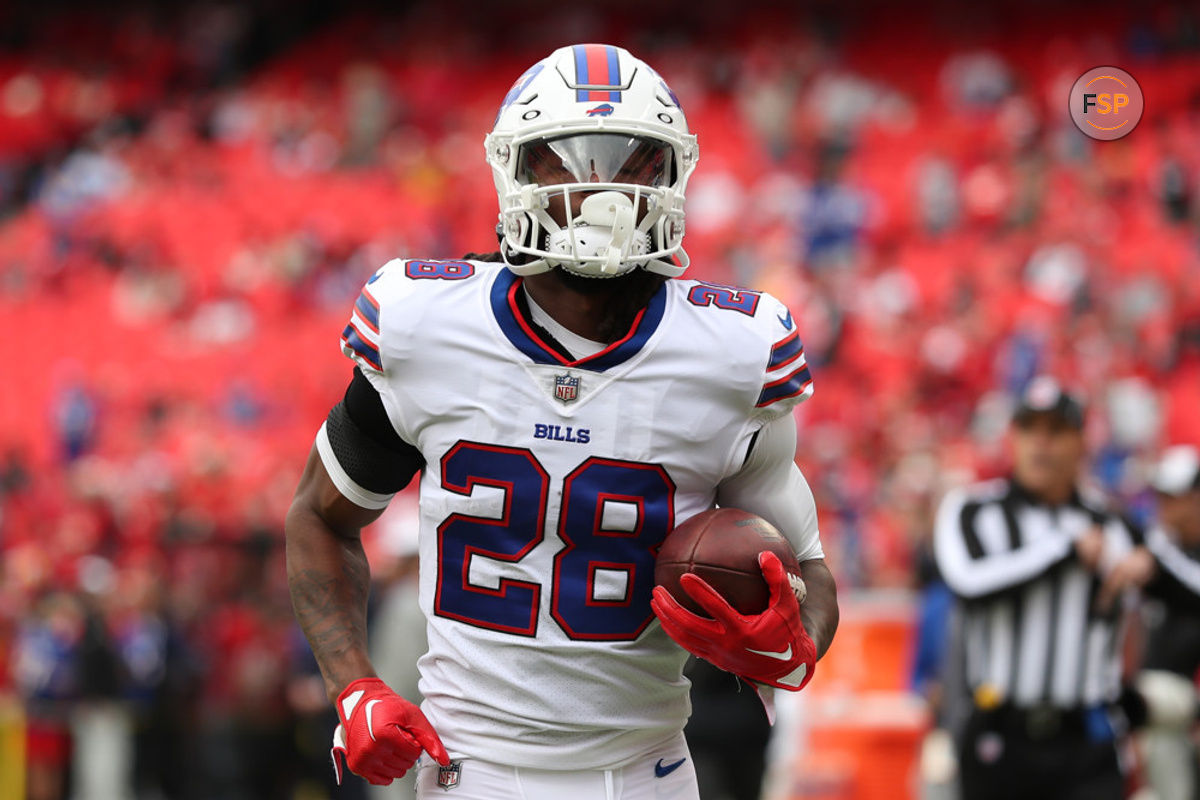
point(605, 228)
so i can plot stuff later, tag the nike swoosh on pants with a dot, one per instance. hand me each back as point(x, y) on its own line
point(662, 770)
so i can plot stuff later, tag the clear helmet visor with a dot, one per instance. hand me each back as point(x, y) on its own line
point(595, 158)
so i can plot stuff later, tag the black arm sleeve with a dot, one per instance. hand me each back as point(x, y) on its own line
point(365, 443)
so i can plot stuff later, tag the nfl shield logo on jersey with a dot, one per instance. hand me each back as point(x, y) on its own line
point(566, 388)
point(449, 775)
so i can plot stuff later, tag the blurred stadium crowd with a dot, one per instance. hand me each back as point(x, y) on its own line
point(192, 198)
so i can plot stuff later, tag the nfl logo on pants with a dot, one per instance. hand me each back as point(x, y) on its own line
point(566, 388)
point(449, 775)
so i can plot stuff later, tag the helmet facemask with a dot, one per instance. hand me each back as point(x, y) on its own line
point(594, 204)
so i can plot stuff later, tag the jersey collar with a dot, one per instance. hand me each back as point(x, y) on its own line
point(525, 338)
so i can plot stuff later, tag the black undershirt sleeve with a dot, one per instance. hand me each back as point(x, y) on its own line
point(365, 443)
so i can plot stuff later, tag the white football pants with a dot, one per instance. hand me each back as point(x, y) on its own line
point(665, 773)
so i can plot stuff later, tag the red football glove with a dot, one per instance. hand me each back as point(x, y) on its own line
point(771, 647)
point(382, 734)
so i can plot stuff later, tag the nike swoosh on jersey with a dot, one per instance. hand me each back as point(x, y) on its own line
point(662, 770)
point(782, 655)
point(786, 322)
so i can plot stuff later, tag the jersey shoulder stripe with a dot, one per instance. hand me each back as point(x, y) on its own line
point(785, 351)
point(787, 376)
point(367, 309)
point(757, 332)
point(401, 290)
point(795, 384)
point(356, 342)
point(361, 334)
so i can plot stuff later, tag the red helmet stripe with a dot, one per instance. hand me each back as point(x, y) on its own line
point(597, 65)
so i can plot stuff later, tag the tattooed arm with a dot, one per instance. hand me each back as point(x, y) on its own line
point(328, 575)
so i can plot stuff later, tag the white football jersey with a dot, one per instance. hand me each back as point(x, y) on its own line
point(549, 485)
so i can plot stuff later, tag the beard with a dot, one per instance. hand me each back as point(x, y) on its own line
point(620, 285)
point(626, 295)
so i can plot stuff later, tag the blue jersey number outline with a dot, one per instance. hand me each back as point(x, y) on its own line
point(514, 605)
point(590, 547)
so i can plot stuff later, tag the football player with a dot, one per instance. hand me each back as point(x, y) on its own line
point(565, 408)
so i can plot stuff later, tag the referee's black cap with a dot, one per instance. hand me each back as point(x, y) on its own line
point(1045, 395)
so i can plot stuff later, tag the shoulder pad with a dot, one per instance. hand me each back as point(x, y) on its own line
point(765, 328)
point(391, 293)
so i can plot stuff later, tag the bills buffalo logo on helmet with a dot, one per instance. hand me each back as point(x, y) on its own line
point(602, 110)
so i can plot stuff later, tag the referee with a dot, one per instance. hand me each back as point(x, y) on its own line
point(1039, 566)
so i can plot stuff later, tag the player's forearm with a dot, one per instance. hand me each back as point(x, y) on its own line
point(329, 579)
point(820, 610)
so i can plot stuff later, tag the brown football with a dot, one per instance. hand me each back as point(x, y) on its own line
point(722, 547)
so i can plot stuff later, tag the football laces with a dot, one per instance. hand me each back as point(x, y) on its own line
point(798, 587)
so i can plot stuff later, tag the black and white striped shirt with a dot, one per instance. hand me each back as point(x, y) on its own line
point(1172, 615)
point(1179, 570)
point(1031, 630)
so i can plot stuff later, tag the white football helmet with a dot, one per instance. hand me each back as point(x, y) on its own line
point(595, 136)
